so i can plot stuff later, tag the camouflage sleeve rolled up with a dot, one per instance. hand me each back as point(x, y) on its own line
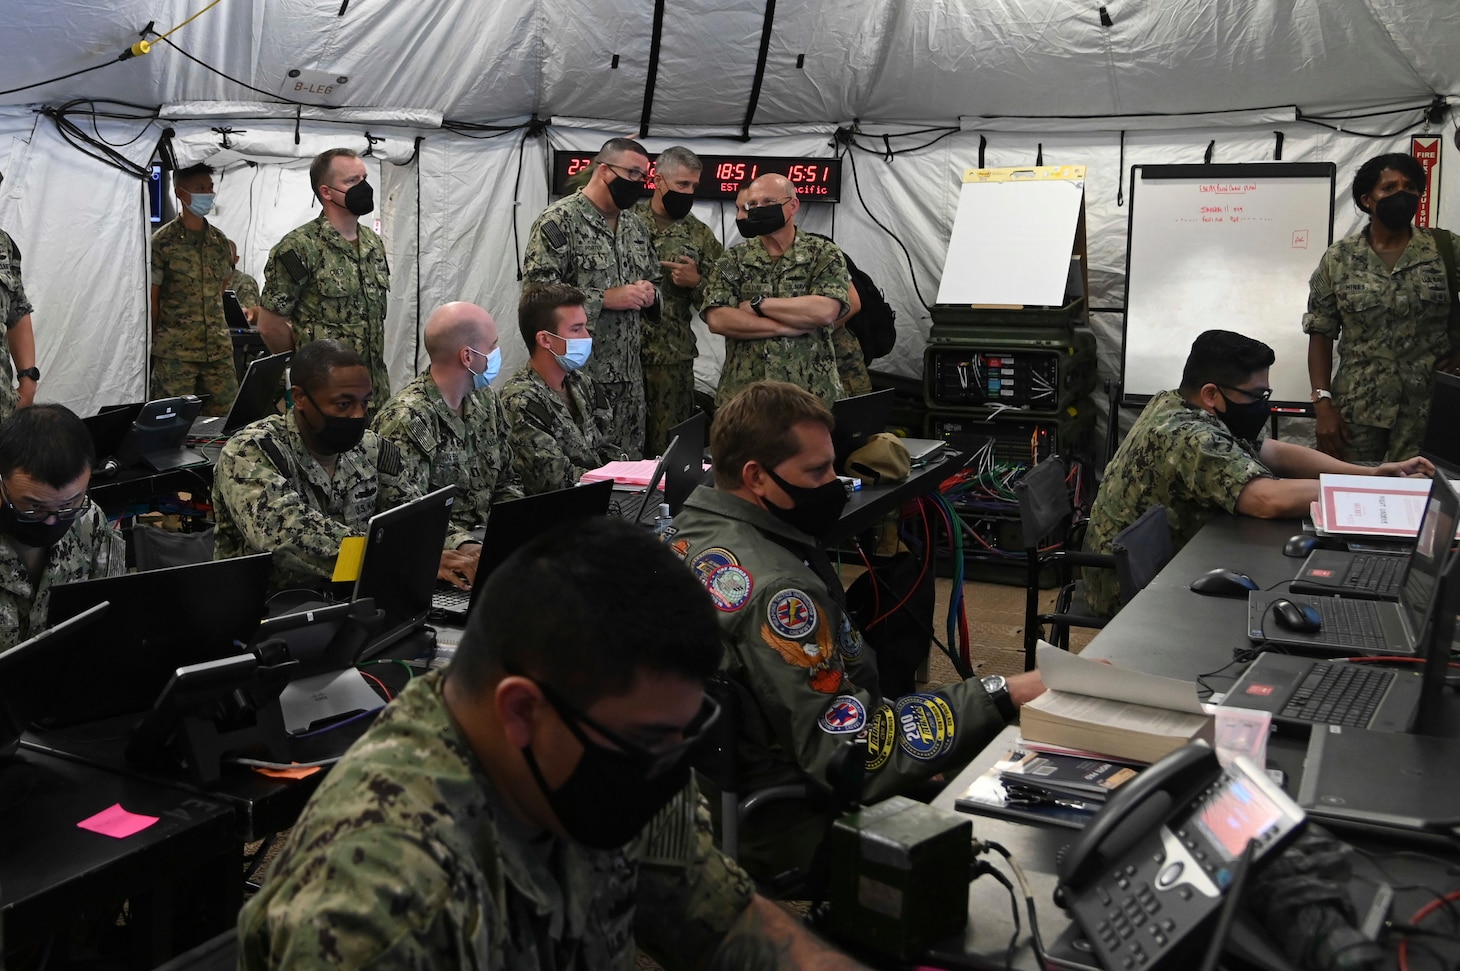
point(383, 906)
point(689, 893)
point(270, 514)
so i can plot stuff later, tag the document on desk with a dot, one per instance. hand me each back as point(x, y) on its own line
point(1111, 711)
point(1365, 505)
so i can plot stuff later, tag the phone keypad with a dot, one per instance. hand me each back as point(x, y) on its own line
point(1131, 931)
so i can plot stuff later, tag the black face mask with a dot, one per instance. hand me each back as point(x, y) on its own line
point(678, 204)
point(1396, 211)
point(624, 192)
point(608, 799)
point(360, 198)
point(1245, 421)
point(746, 230)
point(817, 509)
point(763, 220)
point(337, 434)
point(40, 535)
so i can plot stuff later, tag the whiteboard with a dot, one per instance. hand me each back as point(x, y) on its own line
point(1012, 241)
point(1222, 247)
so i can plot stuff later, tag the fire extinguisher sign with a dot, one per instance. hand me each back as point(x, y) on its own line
point(1426, 150)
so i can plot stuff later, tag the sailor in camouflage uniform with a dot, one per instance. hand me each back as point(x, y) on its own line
point(50, 532)
point(1201, 452)
point(560, 419)
point(1383, 295)
point(530, 807)
point(590, 241)
point(192, 347)
point(806, 678)
point(448, 424)
point(17, 354)
point(245, 287)
point(330, 277)
point(776, 298)
point(686, 248)
point(298, 484)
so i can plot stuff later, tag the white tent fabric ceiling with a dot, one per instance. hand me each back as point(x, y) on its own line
point(1013, 77)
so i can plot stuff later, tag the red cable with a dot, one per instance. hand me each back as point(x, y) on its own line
point(1395, 657)
point(963, 645)
point(876, 594)
point(927, 546)
point(378, 683)
point(1420, 915)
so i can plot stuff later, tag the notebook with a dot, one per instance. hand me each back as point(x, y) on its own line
point(398, 571)
point(1370, 626)
point(262, 384)
point(857, 419)
point(514, 524)
point(1380, 576)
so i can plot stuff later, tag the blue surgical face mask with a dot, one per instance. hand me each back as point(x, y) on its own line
point(577, 354)
point(200, 203)
point(489, 373)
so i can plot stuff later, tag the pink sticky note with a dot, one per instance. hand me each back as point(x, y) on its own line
point(117, 822)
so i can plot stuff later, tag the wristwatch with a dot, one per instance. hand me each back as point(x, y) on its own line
point(34, 373)
point(755, 305)
point(1320, 394)
point(998, 690)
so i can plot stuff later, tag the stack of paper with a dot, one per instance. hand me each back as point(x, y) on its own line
point(624, 473)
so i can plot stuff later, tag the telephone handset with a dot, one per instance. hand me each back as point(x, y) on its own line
point(1150, 869)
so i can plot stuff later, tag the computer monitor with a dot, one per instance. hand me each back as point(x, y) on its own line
point(402, 556)
point(1441, 445)
point(160, 620)
point(857, 419)
point(157, 436)
point(30, 672)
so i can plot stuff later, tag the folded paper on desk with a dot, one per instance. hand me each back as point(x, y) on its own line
point(1118, 713)
point(1363, 505)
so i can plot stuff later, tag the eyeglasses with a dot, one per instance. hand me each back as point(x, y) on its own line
point(1263, 395)
point(633, 175)
point(66, 515)
point(654, 763)
point(765, 203)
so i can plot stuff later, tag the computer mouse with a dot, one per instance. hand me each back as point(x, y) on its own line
point(1300, 545)
point(1223, 583)
point(1299, 618)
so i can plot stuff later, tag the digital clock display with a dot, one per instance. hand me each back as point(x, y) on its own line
point(815, 179)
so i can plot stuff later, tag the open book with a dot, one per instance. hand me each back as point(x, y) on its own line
point(1111, 711)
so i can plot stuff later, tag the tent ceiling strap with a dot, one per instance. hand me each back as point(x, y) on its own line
point(298, 109)
point(1277, 148)
point(760, 62)
point(983, 145)
point(653, 76)
point(1211, 148)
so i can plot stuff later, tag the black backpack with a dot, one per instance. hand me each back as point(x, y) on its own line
point(875, 325)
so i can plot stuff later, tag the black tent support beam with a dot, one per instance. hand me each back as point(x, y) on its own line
point(760, 61)
point(653, 75)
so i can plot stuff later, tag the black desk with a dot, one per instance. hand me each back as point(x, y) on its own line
point(1165, 630)
point(261, 806)
point(51, 871)
point(872, 502)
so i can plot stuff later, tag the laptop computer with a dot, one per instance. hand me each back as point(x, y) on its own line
point(159, 621)
point(156, 438)
point(1440, 444)
point(1355, 627)
point(511, 526)
point(398, 571)
point(858, 418)
point(108, 429)
point(1380, 576)
point(681, 468)
point(257, 392)
point(23, 682)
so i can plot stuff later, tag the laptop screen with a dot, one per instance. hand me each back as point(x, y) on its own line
point(1431, 548)
point(857, 419)
point(1440, 443)
point(257, 393)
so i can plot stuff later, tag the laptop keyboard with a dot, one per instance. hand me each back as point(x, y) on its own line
point(1375, 574)
point(450, 600)
point(631, 507)
point(1339, 694)
point(1352, 623)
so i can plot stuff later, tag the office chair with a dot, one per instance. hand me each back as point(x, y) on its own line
point(1053, 532)
point(1141, 550)
point(156, 548)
